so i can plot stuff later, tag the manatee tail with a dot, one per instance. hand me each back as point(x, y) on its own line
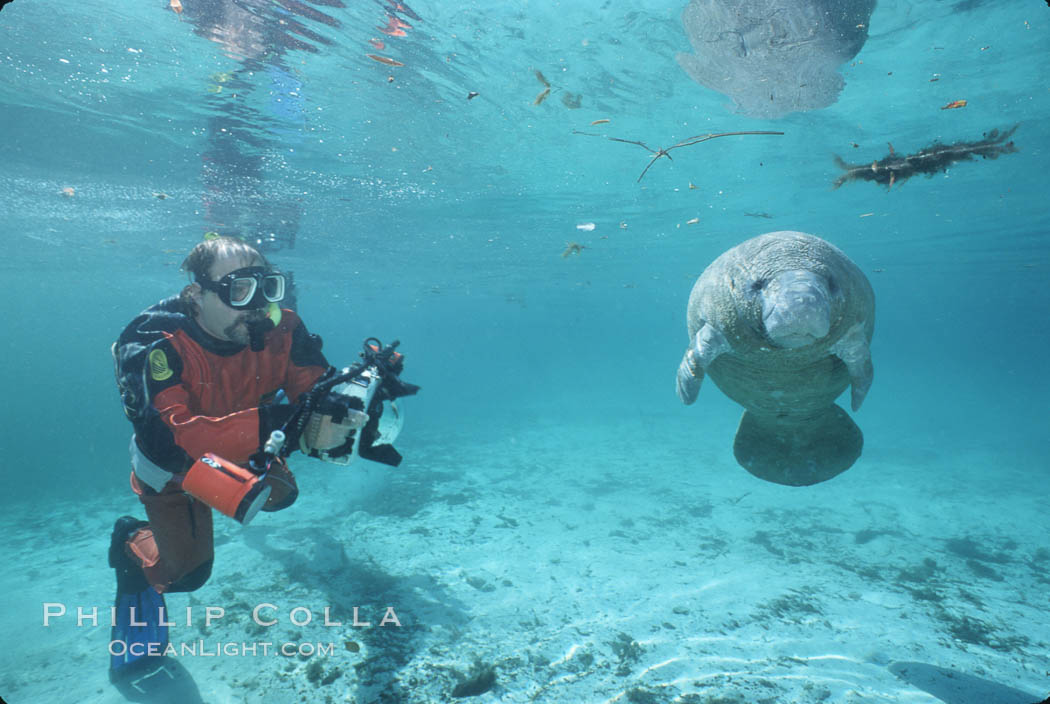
point(798, 452)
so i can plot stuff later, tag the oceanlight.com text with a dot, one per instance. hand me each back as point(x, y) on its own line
point(202, 648)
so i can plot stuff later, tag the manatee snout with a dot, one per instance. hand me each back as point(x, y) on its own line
point(796, 309)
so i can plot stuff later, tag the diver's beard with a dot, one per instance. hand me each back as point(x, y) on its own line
point(238, 330)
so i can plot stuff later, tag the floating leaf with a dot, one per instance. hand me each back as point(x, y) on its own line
point(384, 60)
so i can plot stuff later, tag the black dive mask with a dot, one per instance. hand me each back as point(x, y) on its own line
point(247, 288)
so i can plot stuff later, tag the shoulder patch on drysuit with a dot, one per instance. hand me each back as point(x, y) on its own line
point(158, 365)
point(141, 354)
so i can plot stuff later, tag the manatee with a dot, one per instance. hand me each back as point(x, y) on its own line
point(782, 323)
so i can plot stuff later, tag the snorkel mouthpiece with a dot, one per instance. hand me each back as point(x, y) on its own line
point(257, 330)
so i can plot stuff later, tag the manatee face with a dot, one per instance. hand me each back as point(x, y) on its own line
point(796, 308)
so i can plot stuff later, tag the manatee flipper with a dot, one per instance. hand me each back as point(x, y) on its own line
point(798, 452)
point(852, 348)
point(708, 343)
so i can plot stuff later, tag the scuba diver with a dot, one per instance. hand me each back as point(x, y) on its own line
point(201, 377)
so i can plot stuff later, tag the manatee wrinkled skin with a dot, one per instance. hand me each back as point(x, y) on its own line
point(782, 324)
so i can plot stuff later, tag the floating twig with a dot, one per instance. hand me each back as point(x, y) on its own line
point(688, 142)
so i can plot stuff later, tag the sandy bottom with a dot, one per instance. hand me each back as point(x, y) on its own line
point(579, 565)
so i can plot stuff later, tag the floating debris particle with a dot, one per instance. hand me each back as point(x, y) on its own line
point(571, 100)
point(69, 191)
point(542, 96)
point(542, 79)
point(572, 248)
point(692, 186)
point(603, 121)
point(586, 226)
point(160, 196)
point(176, 6)
point(954, 104)
point(866, 215)
point(692, 222)
point(384, 60)
point(623, 225)
point(395, 27)
point(377, 43)
point(353, 647)
point(472, 94)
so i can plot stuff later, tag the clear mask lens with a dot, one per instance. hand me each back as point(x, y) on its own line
point(273, 287)
point(242, 290)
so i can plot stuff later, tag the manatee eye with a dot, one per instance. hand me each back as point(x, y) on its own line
point(758, 285)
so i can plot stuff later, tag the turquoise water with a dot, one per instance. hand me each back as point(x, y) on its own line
point(407, 210)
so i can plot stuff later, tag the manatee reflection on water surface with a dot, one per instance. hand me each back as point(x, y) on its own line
point(774, 57)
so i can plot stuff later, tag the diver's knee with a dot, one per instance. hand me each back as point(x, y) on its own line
point(192, 581)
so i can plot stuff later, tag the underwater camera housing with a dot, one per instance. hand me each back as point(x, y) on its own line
point(364, 397)
point(376, 423)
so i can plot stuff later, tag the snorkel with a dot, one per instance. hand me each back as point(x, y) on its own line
point(257, 329)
